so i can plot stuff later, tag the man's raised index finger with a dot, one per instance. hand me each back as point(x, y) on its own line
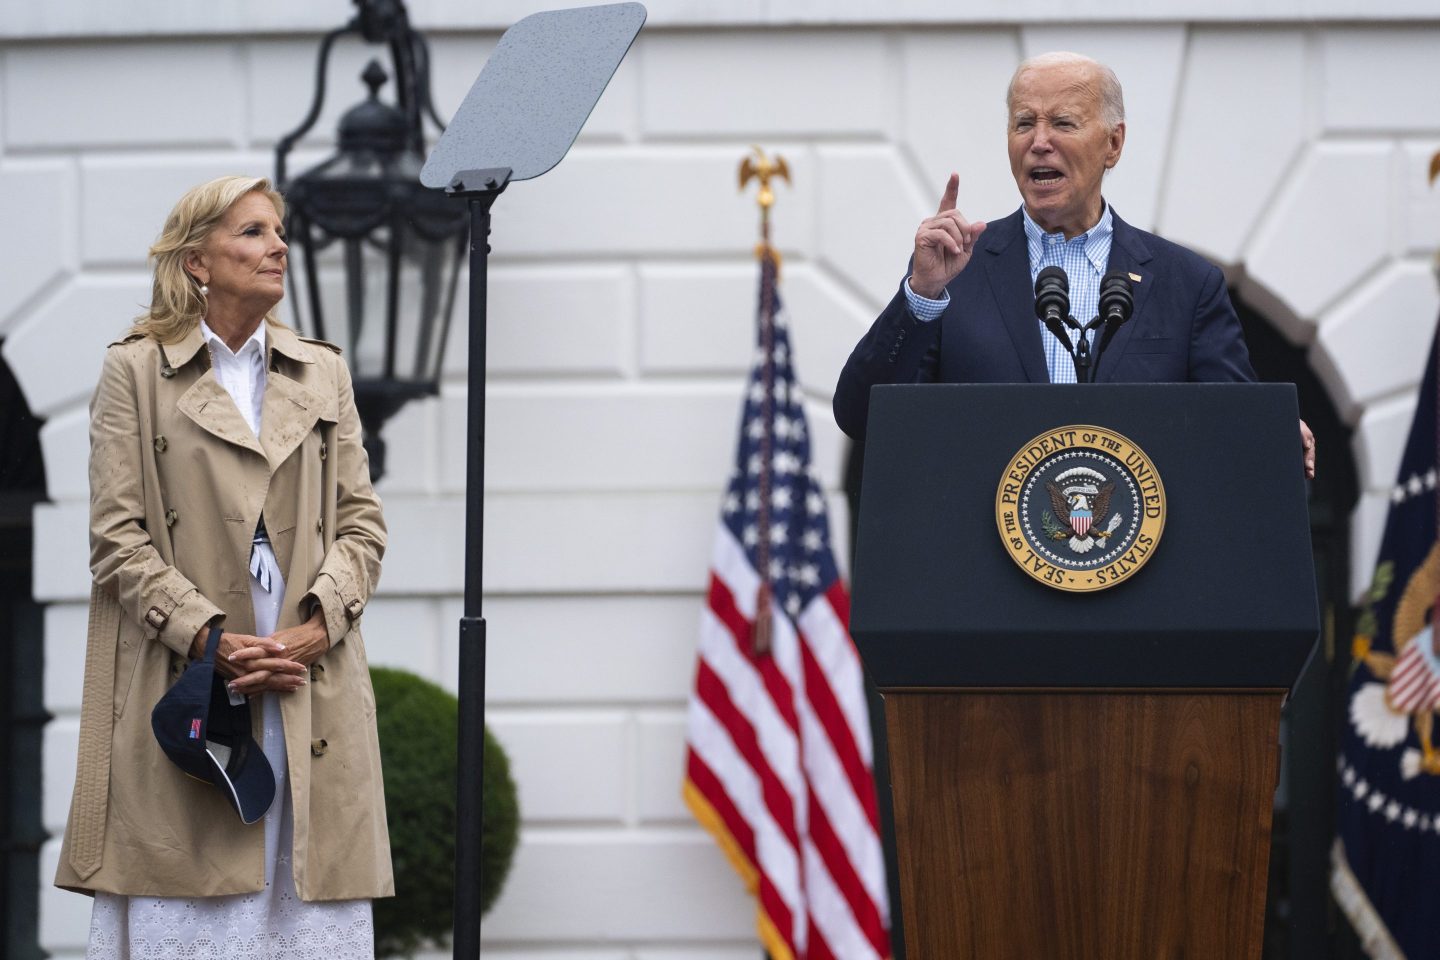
point(952, 190)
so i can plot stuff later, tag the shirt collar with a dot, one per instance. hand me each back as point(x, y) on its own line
point(213, 339)
point(1096, 239)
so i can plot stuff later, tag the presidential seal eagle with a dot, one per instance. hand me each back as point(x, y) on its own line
point(1081, 499)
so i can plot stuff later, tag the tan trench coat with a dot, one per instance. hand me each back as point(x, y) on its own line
point(177, 483)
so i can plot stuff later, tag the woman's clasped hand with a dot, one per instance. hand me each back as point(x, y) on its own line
point(279, 663)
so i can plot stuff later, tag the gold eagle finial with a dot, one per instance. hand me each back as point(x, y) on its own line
point(758, 166)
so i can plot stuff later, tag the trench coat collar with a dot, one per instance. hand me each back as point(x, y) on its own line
point(279, 338)
point(288, 412)
point(181, 352)
point(284, 341)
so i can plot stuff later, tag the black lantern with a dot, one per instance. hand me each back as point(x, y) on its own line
point(375, 255)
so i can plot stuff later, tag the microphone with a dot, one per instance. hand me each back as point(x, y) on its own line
point(1052, 301)
point(1117, 298)
point(1117, 303)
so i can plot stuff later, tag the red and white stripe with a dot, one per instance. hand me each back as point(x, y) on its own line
point(780, 767)
point(1414, 687)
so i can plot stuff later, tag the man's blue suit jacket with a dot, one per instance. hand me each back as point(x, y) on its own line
point(1183, 328)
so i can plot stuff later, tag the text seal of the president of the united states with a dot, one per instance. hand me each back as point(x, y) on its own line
point(1080, 508)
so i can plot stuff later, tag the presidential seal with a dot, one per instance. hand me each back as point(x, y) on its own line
point(1080, 508)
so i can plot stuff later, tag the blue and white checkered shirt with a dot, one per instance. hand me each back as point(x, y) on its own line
point(1083, 259)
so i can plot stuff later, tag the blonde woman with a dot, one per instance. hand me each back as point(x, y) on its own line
point(228, 487)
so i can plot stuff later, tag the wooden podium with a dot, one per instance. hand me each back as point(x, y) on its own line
point(1083, 776)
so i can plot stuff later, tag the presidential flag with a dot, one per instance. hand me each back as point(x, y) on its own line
point(1386, 859)
point(779, 766)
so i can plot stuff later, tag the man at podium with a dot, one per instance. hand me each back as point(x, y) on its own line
point(966, 312)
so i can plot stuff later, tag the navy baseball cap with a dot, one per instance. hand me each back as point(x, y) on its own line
point(208, 737)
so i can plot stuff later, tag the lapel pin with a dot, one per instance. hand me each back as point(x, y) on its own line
point(1135, 277)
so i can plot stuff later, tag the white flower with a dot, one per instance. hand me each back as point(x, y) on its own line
point(1377, 724)
point(1410, 764)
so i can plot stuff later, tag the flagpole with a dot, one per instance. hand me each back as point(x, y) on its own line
point(763, 168)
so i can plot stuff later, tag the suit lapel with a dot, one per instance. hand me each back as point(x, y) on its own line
point(1007, 265)
point(1129, 253)
point(210, 406)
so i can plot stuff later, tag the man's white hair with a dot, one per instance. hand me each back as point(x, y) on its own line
point(1112, 98)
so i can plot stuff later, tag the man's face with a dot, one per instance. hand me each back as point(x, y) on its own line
point(1060, 146)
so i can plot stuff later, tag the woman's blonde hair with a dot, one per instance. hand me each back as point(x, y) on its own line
point(176, 303)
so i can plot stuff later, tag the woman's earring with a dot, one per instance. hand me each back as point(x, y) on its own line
point(204, 290)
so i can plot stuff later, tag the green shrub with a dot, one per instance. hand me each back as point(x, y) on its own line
point(417, 723)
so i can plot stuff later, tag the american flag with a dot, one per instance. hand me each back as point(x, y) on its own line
point(780, 766)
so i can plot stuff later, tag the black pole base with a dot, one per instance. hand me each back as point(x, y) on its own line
point(469, 788)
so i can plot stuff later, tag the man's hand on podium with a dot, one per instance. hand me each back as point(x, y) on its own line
point(1307, 446)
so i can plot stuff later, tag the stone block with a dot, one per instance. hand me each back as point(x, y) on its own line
point(1379, 443)
point(59, 95)
point(612, 886)
point(1148, 60)
point(41, 196)
point(1379, 79)
point(65, 445)
point(584, 650)
point(127, 198)
point(62, 558)
point(660, 767)
point(1227, 163)
point(573, 542)
point(623, 201)
point(64, 916)
point(1367, 526)
point(797, 82)
point(61, 744)
point(953, 120)
point(870, 259)
point(411, 449)
point(698, 318)
point(65, 631)
point(1329, 228)
point(572, 766)
point(827, 320)
point(56, 351)
point(1420, 203)
point(737, 951)
point(546, 437)
point(404, 633)
point(280, 82)
point(555, 319)
point(1376, 340)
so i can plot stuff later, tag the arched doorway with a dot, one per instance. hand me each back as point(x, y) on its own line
point(22, 662)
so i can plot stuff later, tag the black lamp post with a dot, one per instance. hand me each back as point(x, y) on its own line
point(376, 254)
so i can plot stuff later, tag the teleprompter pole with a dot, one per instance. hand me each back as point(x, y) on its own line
point(479, 188)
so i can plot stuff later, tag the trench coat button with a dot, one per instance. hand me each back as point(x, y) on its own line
point(177, 669)
point(170, 517)
point(318, 748)
point(161, 443)
point(315, 671)
point(320, 525)
point(167, 371)
point(323, 451)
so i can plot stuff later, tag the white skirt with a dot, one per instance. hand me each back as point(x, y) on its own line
point(270, 924)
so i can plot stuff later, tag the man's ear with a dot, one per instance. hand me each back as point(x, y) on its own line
point(1115, 145)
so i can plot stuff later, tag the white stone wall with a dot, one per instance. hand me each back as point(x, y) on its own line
point(622, 299)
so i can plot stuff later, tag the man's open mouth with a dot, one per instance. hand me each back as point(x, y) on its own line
point(1045, 175)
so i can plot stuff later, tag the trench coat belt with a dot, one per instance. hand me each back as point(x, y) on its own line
point(97, 722)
